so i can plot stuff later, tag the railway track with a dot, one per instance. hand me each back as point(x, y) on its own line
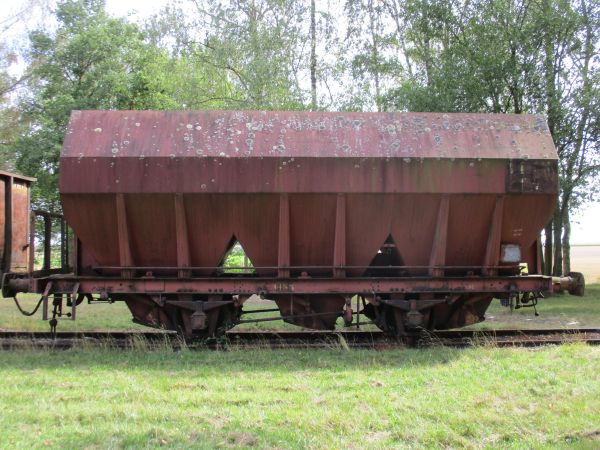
point(63, 340)
point(449, 338)
point(298, 339)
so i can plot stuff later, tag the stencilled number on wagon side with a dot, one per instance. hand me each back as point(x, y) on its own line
point(283, 287)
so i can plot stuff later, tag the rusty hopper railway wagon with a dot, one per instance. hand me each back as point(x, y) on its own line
point(415, 220)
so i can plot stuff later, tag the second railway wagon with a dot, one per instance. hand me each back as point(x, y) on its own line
point(422, 217)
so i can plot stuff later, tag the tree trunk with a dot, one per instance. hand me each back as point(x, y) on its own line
point(548, 249)
point(400, 36)
point(557, 227)
point(566, 243)
point(550, 74)
point(313, 55)
point(374, 55)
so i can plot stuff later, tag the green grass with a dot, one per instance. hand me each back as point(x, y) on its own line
point(94, 317)
point(560, 310)
point(482, 397)
point(438, 398)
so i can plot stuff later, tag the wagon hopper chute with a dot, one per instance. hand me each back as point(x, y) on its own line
point(424, 217)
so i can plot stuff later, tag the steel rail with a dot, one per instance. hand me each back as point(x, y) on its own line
point(299, 339)
point(450, 338)
point(63, 340)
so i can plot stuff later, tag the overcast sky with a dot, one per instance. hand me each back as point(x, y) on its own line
point(586, 224)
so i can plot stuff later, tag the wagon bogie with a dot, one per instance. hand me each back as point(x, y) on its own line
point(198, 317)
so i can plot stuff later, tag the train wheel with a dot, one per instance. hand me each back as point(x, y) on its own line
point(192, 318)
point(458, 311)
point(464, 310)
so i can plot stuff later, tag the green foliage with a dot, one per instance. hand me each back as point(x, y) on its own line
point(255, 45)
point(89, 63)
point(236, 261)
point(101, 316)
point(9, 115)
point(92, 61)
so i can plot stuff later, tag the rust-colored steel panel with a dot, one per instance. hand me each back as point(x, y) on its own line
point(468, 227)
point(302, 286)
point(14, 222)
point(270, 175)
point(244, 134)
point(224, 151)
point(160, 189)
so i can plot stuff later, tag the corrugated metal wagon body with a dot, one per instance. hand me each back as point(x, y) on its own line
point(424, 216)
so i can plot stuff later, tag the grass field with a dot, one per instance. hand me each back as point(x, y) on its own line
point(482, 397)
point(437, 398)
point(95, 317)
point(562, 310)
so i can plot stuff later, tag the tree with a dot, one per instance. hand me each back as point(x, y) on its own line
point(9, 115)
point(313, 55)
point(511, 56)
point(272, 54)
point(572, 86)
point(503, 56)
point(92, 61)
point(11, 123)
point(261, 47)
point(370, 60)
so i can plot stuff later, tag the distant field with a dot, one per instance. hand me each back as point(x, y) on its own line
point(586, 259)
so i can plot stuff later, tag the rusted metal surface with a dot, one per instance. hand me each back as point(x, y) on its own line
point(531, 176)
point(172, 303)
point(190, 318)
point(224, 151)
point(244, 134)
point(305, 227)
point(14, 222)
point(318, 201)
point(272, 181)
point(300, 286)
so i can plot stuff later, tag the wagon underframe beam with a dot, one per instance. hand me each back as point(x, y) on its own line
point(299, 286)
